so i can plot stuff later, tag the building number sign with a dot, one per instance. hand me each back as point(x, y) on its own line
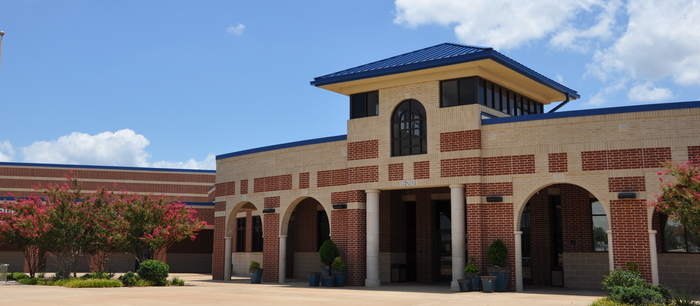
point(408, 183)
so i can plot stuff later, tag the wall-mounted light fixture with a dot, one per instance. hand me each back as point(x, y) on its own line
point(268, 211)
point(340, 206)
point(626, 195)
point(494, 199)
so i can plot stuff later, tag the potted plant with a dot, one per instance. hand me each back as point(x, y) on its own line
point(339, 271)
point(255, 272)
point(472, 273)
point(314, 279)
point(328, 252)
point(488, 283)
point(497, 255)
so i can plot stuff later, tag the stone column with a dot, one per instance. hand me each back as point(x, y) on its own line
point(518, 261)
point(611, 258)
point(458, 216)
point(283, 258)
point(372, 279)
point(653, 257)
point(227, 258)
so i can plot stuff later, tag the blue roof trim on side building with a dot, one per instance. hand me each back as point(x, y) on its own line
point(104, 167)
point(284, 146)
point(595, 112)
point(186, 203)
point(436, 56)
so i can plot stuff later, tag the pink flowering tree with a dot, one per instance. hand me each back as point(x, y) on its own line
point(156, 222)
point(680, 194)
point(23, 223)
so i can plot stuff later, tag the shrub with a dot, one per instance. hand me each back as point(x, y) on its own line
point(328, 252)
point(497, 253)
point(607, 302)
point(91, 283)
point(471, 266)
point(254, 265)
point(31, 281)
point(177, 282)
point(16, 276)
point(129, 279)
point(143, 283)
point(154, 271)
point(636, 295)
point(338, 264)
point(98, 275)
point(622, 278)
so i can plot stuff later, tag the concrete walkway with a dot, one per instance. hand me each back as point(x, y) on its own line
point(201, 290)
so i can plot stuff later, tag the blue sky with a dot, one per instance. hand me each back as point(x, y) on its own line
point(175, 83)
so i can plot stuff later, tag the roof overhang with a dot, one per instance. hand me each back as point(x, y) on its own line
point(490, 65)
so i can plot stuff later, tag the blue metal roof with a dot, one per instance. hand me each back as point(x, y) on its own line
point(436, 56)
point(104, 167)
point(595, 112)
point(284, 146)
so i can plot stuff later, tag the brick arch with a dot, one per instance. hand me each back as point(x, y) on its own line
point(286, 215)
point(520, 206)
point(232, 215)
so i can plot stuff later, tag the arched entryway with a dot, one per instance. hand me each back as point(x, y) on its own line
point(564, 238)
point(244, 239)
point(306, 226)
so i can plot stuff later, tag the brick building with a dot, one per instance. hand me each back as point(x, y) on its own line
point(192, 187)
point(447, 149)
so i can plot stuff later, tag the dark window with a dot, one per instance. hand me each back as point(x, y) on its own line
point(458, 92)
point(364, 104)
point(408, 129)
point(257, 234)
point(323, 231)
point(240, 235)
point(600, 226)
point(676, 239)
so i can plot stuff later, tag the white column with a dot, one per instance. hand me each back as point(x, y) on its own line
point(227, 258)
point(518, 261)
point(458, 216)
point(372, 211)
point(283, 258)
point(653, 257)
point(611, 258)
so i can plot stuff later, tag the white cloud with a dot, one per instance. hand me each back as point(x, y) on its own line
point(605, 94)
point(508, 24)
point(208, 163)
point(123, 148)
point(236, 30)
point(6, 151)
point(573, 38)
point(660, 41)
point(648, 93)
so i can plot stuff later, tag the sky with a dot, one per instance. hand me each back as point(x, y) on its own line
point(173, 84)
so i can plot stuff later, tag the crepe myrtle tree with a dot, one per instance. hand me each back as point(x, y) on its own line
point(680, 193)
point(155, 223)
point(23, 223)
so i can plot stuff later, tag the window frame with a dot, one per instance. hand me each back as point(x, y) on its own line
point(369, 107)
point(607, 224)
point(403, 131)
point(241, 235)
point(663, 220)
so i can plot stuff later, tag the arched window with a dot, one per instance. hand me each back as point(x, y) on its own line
point(408, 129)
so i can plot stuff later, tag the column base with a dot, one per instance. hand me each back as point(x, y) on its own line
point(372, 282)
point(454, 286)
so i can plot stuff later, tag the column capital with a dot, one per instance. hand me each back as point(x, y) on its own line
point(652, 232)
point(228, 237)
point(456, 186)
point(518, 233)
point(283, 236)
point(372, 191)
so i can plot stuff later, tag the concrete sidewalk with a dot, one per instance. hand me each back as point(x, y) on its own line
point(201, 290)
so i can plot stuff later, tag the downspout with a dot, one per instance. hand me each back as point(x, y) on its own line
point(560, 104)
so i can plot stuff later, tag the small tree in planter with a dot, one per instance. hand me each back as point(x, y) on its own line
point(339, 270)
point(472, 273)
point(497, 255)
point(255, 272)
point(328, 252)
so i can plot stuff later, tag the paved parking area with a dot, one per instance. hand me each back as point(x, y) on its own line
point(201, 290)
